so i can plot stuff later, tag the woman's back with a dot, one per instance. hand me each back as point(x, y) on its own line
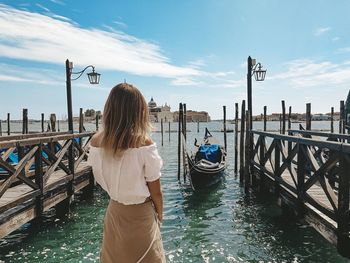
point(124, 176)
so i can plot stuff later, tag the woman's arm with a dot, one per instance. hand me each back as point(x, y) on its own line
point(157, 197)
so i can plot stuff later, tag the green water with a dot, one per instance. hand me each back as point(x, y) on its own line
point(218, 225)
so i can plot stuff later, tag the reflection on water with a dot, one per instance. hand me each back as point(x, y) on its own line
point(217, 225)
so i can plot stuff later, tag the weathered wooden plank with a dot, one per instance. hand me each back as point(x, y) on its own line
point(54, 200)
point(60, 155)
point(30, 135)
point(323, 225)
point(333, 159)
point(322, 134)
point(321, 178)
point(336, 146)
point(16, 221)
point(42, 140)
point(81, 185)
point(8, 202)
point(19, 168)
point(54, 158)
point(5, 155)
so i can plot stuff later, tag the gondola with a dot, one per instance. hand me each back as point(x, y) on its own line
point(207, 165)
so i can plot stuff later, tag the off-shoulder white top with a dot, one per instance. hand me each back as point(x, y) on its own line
point(125, 178)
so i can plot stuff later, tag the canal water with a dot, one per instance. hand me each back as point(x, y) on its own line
point(216, 225)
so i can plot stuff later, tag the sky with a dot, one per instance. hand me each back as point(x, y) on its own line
point(190, 51)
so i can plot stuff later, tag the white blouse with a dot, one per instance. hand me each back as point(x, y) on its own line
point(125, 178)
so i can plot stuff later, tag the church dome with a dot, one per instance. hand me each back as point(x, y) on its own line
point(152, 103)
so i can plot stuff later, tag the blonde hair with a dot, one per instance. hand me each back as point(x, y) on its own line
point(125, 119)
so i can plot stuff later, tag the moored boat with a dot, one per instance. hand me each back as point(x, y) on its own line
point(207, 165)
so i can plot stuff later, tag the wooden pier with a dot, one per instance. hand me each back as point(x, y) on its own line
point(43, 176)
point(309, 172)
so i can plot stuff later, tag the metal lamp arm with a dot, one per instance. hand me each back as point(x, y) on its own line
point(254, 68)
point(81, 72)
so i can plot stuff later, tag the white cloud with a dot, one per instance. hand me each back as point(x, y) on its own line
point(199, 63)
point(58, 2)
point(184, 82)
point(321, 30)
point(343, 50)
point(37, 37)
point(43, 7)
point(335, 39)
point(120, 24)
point(303, 73)
point(30, 75)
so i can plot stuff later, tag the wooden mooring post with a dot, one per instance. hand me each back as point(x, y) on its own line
point(241, 143)
point(184, 121)
point(184, 132)
point(42, 122)
point(198, 126)
point(8, 124)
point(332, 119)
point(224, 124)
point(162, 130)
point(53, 122)
point(169, 130)
point(81, 120)
point(308, 116)
point(236, 138)
point(341, 117)
point(280, 120)
point(179, 141)
point(283, 117)
point(247, 181)
point(25, 121)
point(265, 110)
point(343, 244)
point(96, 120)
point(290, 118)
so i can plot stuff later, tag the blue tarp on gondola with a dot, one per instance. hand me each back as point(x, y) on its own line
point(209, 152)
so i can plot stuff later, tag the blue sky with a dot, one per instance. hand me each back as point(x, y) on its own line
point(176, 51)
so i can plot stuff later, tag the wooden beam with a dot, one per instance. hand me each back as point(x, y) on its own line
point(236, 139)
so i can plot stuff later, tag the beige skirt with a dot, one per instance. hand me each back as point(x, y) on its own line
point(129, 231)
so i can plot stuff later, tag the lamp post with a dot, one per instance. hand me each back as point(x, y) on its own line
point(94, 78)
point(259, 74)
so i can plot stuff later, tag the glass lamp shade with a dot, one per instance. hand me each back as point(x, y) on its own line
point(94, 77)
point(260, 74)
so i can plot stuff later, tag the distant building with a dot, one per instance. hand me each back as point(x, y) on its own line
point(320, 117)
point(156, 114)
point(90, 114)
point(194, 116)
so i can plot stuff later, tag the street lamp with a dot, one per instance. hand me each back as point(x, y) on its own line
point(94, 78)
point(259, 74)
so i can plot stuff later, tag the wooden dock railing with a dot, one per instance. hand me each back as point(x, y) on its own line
point(35, 174)
point(310, 175)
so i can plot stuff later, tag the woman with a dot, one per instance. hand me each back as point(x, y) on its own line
point(126, 164)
